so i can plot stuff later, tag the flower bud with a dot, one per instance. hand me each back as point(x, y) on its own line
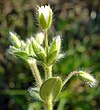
point(14, 39)
point(45, 16)
point(90, 80)
point(23, 44)
point(40, 37)
point(29, 48)
point(54, 50)
point(58, 44)
point(39, 50)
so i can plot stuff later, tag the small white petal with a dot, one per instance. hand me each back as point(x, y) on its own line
point(45, 11)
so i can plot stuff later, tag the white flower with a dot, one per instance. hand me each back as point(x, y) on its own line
point(45, 16)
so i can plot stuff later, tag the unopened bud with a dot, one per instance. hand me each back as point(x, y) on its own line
point(58, 44)
point(29, 48)
point(90, 80)
point(45, 16)
point(39, 50)
point(54, 50)
point(40, 37)
point(14, 39)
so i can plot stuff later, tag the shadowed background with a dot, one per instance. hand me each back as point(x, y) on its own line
point(78, 22)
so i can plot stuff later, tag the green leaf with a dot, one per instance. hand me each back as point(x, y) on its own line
point(22, 54)
point(51, 88)
point(12, 50)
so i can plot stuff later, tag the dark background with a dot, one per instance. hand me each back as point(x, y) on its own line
point(78, 22)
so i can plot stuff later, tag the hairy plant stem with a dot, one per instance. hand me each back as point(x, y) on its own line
point(48, 69)
point(46, 42)
point(68, 77)
point(49, 105)
point(35, 71)
point(48, 72)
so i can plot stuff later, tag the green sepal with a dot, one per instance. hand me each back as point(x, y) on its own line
point(50, 19)
point(51, 88)
point(52, 47)
point(39, 50)
point(54, 50)
point(29, 49)
point(26, 49)
point(42, 21)
point(52, 53)
point(52, 57)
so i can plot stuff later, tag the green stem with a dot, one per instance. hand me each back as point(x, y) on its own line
point(46, 41)
point(48, 72)
point(35, 71)
point(68, 77)
point(49, 105)
point(48, 69)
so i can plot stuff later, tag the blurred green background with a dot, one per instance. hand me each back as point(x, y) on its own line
point(78, 22)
